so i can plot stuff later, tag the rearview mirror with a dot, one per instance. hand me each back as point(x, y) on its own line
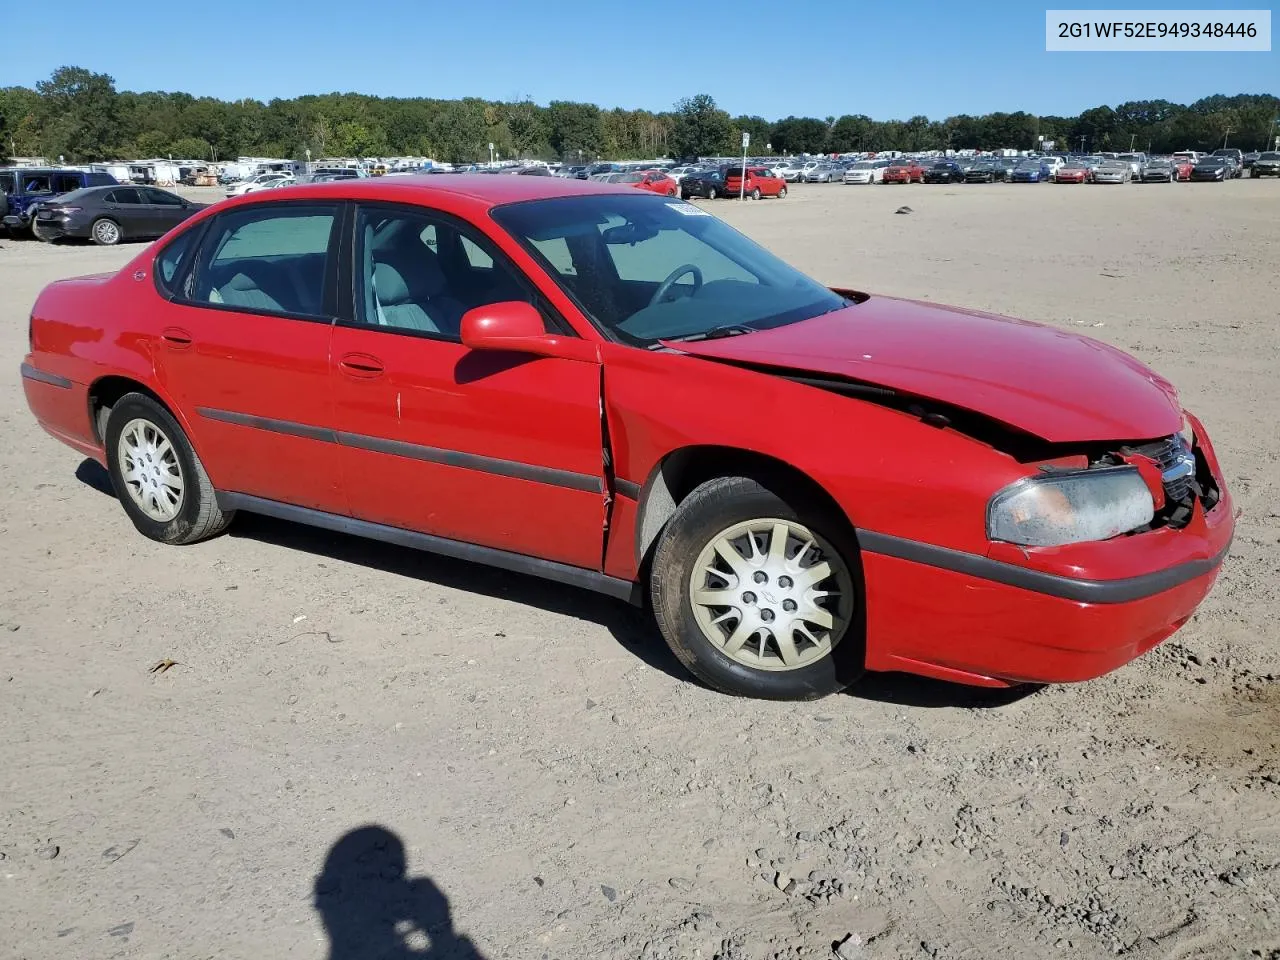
point(629, 232)
point(516, 326)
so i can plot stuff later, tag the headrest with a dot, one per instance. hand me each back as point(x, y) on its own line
point(389, 285)
point(242, 282)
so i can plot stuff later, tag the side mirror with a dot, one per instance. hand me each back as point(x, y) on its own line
point(516, 326)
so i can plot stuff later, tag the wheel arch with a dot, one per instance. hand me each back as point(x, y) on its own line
point(106, 391)
point(682, 470)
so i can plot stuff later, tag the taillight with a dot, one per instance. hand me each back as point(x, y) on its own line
point(31, 333)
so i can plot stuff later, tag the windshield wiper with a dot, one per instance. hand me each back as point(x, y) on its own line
point(715, 333)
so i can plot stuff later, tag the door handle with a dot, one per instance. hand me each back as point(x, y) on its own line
point(361, 366)
point(176, 337)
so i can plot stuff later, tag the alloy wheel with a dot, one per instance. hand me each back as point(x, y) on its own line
point(106, 232)
point(771, 594)
point(150, 469)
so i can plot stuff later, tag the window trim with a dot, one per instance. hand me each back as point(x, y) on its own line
point(348, 312)
point(180, 278)
point(328, 297)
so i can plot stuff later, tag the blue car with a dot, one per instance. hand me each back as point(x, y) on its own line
point(24, 187)
point(1030, 171)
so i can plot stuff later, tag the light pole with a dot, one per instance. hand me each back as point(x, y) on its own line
point(1132, 138)
point(1225, 134)
point(308, 161)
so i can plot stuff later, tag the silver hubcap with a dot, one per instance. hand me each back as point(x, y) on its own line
point(771, 594)
point(150, 469)
point(107, 232)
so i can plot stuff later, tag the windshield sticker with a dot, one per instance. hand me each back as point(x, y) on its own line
point(688, 209)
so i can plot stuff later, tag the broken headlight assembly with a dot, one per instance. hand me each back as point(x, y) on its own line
point(1075, 507)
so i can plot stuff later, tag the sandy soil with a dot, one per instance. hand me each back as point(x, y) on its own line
point(560, 788)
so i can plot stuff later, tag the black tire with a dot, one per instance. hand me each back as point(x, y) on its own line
point(711, 193)
point(198, 516)
point(105, 232)
point(710, 509)
point(755, 194)
point(782, 193)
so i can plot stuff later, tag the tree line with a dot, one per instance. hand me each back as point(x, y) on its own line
point(81, 116)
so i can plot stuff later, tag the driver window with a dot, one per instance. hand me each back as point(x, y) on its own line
point(654, 259)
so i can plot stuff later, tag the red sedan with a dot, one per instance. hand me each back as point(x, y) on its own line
point(761, 182)
point(655, 181)
point(905, 171)
point(620, 392)
point(1071, 173)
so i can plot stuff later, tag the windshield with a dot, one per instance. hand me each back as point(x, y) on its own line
point(646, 268)
point(1269, 156)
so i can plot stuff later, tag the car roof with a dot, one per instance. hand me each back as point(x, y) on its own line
point(488, 190)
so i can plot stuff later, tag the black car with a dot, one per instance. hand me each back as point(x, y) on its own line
point(107, 215)
point(1267, 164)
point(703, 183)
point(944, 171)
point(1212, 168)
point(982, 172)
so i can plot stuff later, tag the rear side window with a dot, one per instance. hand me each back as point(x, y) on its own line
point(125, 195)
point(270, 258)
point(66, 182)
point(171, 264)
point(8, 183)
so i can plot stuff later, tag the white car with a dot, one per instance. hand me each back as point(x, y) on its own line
point(792, 171)
point(866, 171)
point(260, 182)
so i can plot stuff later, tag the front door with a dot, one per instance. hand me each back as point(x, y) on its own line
point(245, 351)
point(502, 450)
point(124, 205)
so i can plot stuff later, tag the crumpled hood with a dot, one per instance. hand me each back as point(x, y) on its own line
point(1056, 385)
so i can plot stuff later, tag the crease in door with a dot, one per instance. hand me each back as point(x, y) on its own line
point(607, 487)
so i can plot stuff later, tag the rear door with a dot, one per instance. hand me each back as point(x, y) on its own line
point(124, 206)
point(245, 350)
point(502, 450)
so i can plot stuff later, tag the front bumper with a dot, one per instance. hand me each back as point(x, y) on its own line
point(1050, 616)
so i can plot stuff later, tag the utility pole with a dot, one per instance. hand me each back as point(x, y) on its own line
point(1132, 138)
point(1226, 134)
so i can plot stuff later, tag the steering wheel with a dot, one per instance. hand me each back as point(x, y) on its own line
point(665, 287)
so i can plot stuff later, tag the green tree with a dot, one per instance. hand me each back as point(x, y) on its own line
point(573, 127)
point(191, 148)
point(799, 135)
point(701, 129)
point(151, 144)
point(78, 114)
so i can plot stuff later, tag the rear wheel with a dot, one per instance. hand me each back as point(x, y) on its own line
point(757, 597)
point(755, 194)
point(155, 471)
point(105, 232)
point(711, 193)
point(782, 193)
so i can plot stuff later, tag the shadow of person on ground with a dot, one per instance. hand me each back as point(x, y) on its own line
point(372, 911)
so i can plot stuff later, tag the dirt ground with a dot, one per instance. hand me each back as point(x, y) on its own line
point(560, 788)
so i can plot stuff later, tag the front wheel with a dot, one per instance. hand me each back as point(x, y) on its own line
point(711, 193)
point(782, 193)
point(755, 194)
point(156, 474)
point(756, 598)
point(105, 233)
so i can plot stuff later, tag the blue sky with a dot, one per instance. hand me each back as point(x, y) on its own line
point(885, 58)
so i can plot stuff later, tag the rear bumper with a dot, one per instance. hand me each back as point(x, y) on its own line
point(978, 620)
point(61, 407)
